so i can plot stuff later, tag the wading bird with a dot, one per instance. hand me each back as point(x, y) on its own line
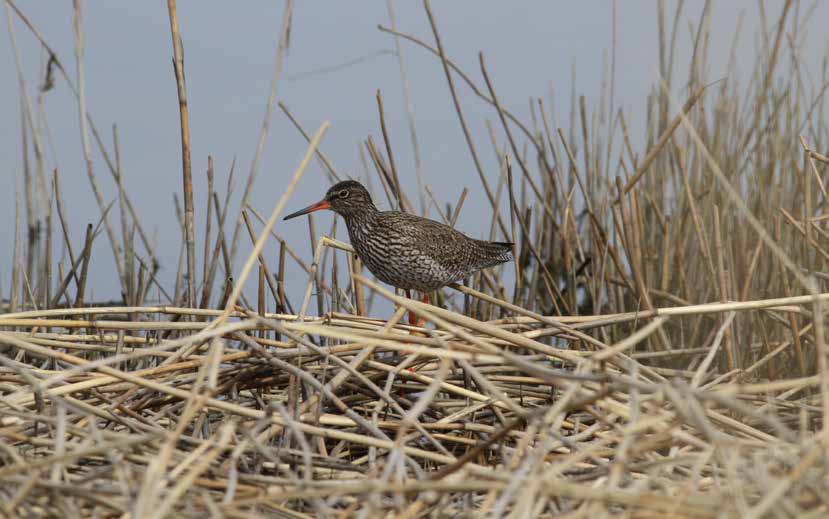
point(404, 250)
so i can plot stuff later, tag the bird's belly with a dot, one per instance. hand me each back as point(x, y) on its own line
point(408, 271)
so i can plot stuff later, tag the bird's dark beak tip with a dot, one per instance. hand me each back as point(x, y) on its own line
point(322, 204)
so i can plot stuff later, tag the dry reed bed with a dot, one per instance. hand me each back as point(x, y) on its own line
point(120, 410)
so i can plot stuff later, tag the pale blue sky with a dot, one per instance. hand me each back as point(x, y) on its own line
point(230, 49)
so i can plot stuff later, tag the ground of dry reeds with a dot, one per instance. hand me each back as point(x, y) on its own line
point(658, 349)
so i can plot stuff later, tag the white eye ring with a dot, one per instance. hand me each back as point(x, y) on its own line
point(343, 193)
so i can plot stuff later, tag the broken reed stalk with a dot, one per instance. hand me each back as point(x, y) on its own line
point(85, 255)
point(186, 168)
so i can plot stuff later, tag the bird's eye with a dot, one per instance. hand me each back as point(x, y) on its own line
point(343, 193)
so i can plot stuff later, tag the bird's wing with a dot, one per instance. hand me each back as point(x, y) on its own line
point(434, 239)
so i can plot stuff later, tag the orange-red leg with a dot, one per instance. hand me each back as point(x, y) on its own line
point(413, 320)
point(422, 322)
point(412, 317)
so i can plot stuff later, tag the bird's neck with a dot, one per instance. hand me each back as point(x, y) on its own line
point(360, 220)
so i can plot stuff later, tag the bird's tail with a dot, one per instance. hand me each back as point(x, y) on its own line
point(496, 252)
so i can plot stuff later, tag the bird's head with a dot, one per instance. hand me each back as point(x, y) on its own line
point(344, 198)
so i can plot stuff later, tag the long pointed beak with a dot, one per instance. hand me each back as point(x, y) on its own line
point(322, 204)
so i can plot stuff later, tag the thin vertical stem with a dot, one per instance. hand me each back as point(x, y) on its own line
point(87, 149)
point(187, 176)
point(260, 300)
point(87, 251)
point(207, 222)
point(129, 251)
point(512, 216)
point(282, 47)
point(280, 280)
point(409, 109)
point(15, 288)
point(260, 243)
point(450, 82)
point(392, 166)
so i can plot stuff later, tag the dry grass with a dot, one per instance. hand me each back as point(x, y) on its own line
point(661, 351)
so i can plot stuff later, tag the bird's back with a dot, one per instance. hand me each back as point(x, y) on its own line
point(412, 252)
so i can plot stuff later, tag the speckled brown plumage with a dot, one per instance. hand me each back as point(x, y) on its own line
point(404, 250)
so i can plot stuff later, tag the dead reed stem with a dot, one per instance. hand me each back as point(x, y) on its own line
point(186, 168)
